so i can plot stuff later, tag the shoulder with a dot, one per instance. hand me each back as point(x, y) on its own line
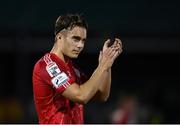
point(38, 65)
point(44, 64)
point(47, 59)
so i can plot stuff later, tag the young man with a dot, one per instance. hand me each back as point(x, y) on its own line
point(60, 88)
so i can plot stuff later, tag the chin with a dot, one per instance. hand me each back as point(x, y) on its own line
point(74, 56)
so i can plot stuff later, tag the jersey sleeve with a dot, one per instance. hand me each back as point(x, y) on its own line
point(53, 74)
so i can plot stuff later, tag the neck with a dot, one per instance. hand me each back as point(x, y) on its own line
point(56, 50)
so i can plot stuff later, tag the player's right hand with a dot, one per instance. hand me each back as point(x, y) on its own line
point(109, 54)
point(108, 57)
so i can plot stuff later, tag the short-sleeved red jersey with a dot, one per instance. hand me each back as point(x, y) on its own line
point(51, 76)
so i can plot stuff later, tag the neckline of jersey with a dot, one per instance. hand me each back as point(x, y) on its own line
point(60, 60)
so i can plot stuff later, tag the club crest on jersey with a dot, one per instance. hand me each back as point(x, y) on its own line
point(53, 69)
point(59, 80)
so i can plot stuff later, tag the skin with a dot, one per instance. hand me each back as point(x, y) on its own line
point(69, 44)
point(104, 89)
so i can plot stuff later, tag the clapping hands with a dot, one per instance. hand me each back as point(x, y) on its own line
point(116, 46)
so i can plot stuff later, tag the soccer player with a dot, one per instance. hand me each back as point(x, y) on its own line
point(60, 88)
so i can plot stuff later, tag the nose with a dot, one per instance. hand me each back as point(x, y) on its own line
point(80, 44)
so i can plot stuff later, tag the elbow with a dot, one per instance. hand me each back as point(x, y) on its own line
point(81, 99)
point(104, 98)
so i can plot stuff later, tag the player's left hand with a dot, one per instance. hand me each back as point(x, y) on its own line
point(118, 46)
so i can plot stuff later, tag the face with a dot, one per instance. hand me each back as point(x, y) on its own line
point(73, 41)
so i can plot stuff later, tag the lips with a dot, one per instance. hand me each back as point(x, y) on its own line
point(76, 51)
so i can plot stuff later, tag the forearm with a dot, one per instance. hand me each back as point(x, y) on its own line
point(89, 88)
point(83, 93)
point(105, 87)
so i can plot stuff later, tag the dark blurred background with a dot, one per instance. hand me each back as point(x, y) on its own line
point(145, 78)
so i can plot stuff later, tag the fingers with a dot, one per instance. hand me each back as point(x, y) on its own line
point(106, 43)
point(116, 54)
point(108, 55)
point(107, 52)
point(110, 52)
point(100, 54)
point(117, 45)
point(118, 41)
point(116, 48)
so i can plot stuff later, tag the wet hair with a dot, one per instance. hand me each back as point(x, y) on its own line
point(69, 21)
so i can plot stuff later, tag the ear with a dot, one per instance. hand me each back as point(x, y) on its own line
point(58, 36)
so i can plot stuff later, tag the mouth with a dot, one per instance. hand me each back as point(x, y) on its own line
point(76, 51)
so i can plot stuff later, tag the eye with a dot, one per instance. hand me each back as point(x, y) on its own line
point(84, 40)
point(76, 38)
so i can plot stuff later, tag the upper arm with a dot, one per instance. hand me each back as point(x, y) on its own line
point(52, 75)
point(61, 83)
point(98, 97)
point(73, 93)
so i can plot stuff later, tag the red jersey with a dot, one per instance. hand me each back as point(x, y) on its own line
point(51, 76)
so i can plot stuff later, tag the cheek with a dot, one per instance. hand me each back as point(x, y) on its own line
point(82, 46)
point(66, 43)
point(72, 44)
point(69, 46)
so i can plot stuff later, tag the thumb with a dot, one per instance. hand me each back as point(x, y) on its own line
point(107, 42)
point(100, 53)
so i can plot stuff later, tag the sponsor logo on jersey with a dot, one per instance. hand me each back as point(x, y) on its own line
point(53, 69)
point(60, 80)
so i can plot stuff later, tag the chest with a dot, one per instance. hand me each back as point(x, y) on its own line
point(71, 71)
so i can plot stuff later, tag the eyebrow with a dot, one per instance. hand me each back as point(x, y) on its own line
point(78, 38)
